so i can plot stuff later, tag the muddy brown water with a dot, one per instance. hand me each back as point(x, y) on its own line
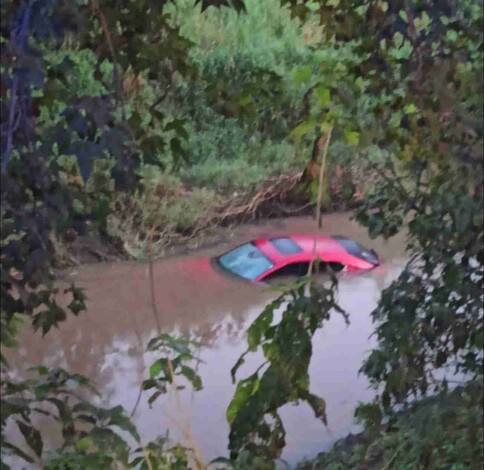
point(107, 342)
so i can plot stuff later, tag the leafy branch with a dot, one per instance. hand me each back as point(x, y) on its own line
point(255, 425)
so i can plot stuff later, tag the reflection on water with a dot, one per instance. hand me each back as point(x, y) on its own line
point(108, 341)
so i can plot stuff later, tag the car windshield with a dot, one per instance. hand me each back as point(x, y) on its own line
point(247, 261)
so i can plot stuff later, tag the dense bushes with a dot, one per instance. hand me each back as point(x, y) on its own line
point(246, 104)
point(442, 432)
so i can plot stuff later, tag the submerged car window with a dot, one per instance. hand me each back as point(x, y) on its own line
point(286, 246)
point(246, 261)
point(355, 249)
point(301, 269)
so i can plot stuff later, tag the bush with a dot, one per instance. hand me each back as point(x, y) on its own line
point(227, 159)
point(245, 102)
point(441, 432)
point(225, 176)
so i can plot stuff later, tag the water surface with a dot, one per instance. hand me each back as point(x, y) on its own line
point(107, 343)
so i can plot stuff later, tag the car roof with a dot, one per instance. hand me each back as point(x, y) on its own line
point(324, 245)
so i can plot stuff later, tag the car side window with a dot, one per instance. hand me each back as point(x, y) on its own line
point(301, 269)
point(286, 246)
point(355, 249)
point(293, 269)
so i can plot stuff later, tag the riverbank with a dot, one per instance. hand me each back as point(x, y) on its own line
point(166, 219)
point(93, 248)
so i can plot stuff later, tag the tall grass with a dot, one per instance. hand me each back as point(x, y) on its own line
point(265, 32)
point(237, 152)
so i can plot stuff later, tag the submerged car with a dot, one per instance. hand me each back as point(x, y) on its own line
point(264, 258)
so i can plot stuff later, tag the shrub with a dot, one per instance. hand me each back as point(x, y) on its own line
point(246, 102)
point(227, 159)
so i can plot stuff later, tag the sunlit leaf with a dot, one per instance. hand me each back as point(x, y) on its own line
point(303, 74)
point(302, 129)
point(243, 392)
point(257, 329)
point(323, 96)
point(352, 138)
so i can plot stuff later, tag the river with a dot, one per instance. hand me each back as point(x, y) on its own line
point(107, 342)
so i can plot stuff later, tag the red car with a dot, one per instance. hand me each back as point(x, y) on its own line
point(263, 258)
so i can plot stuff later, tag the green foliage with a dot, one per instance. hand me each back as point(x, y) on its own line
point(445, 431)
point(404, 73)
point(255, 425)
point(67, 137)
point(119, 97)
point(85, 428)
point(91, 198)
point(245, 102)
point(92, 436)
point(161, 454)
point(393, 92)
point(264, 37)
point(158, 454)
point(431, 317)
point(175, 361)
point(246, 163)
point(226, 176)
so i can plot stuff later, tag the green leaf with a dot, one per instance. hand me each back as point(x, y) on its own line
point(325, 127)
point(83, 444)
point(240, 361)
point(178, 125)
point(398, 40)
point(193, 377)
point(303, 74)
point(148, 384)
point(222, 460)
point(122, 421)
point(313, 7)
point(302, 129)
point(244, 390)
point(479, 339)
point(178, 151)
point(403, 52)
point(323, 96)
point(369, 413)
point(410, 109)
point(318, 406)
point(32, 437)
point(258, 328)
point(352, 138)
point(451, 275)
point(153, 397)
point(157, 367)
point(237, 5)
point(452, 35)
